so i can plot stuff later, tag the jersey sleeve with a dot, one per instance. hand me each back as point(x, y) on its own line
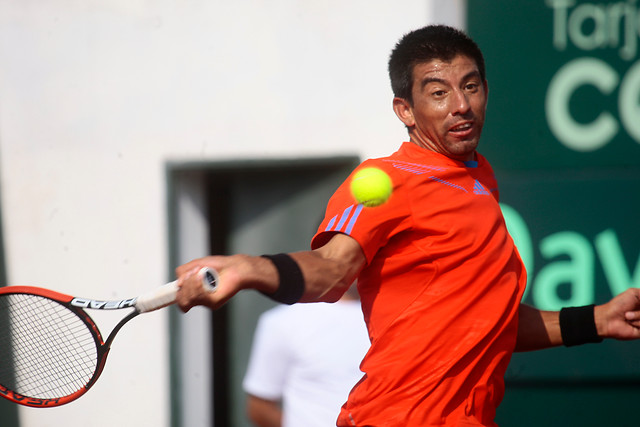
point(371, 227)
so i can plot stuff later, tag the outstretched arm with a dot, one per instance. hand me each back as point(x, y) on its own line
point(328, 272)
point(619, 319)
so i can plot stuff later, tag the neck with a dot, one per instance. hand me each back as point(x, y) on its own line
point(463, 157)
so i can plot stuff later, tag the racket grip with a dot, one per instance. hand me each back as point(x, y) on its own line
point(166, 295)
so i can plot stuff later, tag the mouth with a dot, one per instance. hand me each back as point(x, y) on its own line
point(462, 130)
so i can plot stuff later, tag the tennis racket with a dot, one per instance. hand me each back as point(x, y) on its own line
point(51, 351)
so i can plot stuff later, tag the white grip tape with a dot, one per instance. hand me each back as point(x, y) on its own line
point(166, 295)
point(158, 298)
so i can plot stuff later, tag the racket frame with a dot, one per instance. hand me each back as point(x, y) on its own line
point(153, 300)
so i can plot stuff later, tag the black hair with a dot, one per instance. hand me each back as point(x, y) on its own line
point(424, 45)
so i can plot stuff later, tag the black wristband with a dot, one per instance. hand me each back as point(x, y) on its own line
point(578, 326)
point(291, 286)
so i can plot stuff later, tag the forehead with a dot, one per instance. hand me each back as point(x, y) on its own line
point(460, 66)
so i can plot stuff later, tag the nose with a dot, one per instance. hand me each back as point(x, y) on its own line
point(460, 103)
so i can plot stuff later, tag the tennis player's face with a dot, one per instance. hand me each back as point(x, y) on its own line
point(449, 104)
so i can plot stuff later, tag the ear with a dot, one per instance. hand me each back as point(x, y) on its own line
point(404, 111)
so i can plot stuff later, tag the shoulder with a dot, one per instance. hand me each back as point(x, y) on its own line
point(410, 164)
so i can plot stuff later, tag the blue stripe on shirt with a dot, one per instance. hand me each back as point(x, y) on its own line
point(346, 218)
point(354, 218)
point(343, 218)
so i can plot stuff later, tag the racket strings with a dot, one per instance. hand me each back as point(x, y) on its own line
point(47, 351)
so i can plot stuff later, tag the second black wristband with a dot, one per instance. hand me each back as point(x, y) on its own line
point(578, 326)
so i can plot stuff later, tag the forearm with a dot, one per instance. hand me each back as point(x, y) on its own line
point(537, 329)
point(326, 272)
point(330, 270)
point(302, 277)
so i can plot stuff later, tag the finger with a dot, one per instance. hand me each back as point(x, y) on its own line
point(632, 315)
point(188, 267)
point(634, 323)
point(183, 302)
point(187, 291)
point(184, 308)
point(186, 278)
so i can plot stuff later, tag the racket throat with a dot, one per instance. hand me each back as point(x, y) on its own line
point(104, 349)
point(116, 329)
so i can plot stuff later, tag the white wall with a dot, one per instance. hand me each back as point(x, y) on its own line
point(95, 97)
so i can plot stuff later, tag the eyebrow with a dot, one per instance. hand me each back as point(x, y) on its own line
point(469, 75)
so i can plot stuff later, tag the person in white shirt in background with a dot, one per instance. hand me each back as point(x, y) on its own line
point(304, 361)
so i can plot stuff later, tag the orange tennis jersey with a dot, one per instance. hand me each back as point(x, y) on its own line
point(440, 293)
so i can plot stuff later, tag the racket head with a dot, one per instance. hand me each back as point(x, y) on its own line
point(51, 352)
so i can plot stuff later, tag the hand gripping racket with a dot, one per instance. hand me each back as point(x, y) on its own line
point(51, 351)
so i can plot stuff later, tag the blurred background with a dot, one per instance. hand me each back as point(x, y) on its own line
point(136, 135)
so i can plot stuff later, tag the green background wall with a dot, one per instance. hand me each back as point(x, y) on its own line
point(563, 134)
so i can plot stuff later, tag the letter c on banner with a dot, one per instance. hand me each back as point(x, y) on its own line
point(574, 135)
point(629, 102)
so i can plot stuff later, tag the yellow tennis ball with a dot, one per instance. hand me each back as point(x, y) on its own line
point(371, 186)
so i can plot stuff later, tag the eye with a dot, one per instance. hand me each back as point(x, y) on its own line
point(471, 87)
point(438, 93)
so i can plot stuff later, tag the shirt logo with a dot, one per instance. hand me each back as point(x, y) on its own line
point(479, 188)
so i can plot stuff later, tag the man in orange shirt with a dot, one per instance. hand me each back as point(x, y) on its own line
point(440, 278)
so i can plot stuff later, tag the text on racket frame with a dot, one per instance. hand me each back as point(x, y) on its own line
point(26, 400)
point(103, 305)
